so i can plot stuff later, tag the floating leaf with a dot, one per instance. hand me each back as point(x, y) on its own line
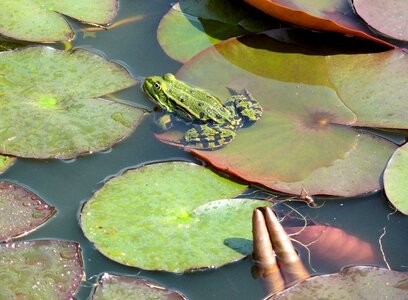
point(395, 179)
point(193, 25)
point(332, 15)
point(388, 17)
point(123, 287)
point(21, 211)
point(43, 269)
point(43, 116)
point(301, 141)
point(163, 217)
point(6, 162)
point(40, 20)
point(359, 282)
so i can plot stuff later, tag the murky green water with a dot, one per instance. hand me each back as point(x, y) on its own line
point(67, 184)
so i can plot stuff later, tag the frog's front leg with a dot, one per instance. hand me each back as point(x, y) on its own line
point(245, 105)
point(206, 137)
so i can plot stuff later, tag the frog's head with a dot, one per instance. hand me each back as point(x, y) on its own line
point(155, 88)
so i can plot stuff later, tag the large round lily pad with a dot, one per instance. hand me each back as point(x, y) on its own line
point(304, 139)
point(167, 216)
point(43, 269)
point(112, 287)
point(191, 26)
point(329, 15)
point(388, 17)
point(40, 20)
point(21, 211)
point(48, 104)
point(359, 282)
point(396, 178)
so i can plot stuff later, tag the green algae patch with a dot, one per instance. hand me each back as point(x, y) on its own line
point(113, 287)
point(42, 269)
point(360, 282)
point(168, 216)
point(41, 20)
point(50, 105)
point(21, 211)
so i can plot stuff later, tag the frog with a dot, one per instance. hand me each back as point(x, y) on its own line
point(213, 123)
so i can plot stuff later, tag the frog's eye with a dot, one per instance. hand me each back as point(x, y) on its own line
point(157, 86)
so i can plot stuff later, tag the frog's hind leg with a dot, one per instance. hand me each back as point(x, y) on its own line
point(246, 105)
point(206, 137)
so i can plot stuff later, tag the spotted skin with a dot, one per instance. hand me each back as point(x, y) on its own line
point(214, 124)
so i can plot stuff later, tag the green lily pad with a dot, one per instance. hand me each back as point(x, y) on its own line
point(359, 282)
point(40, 20)
point(388, 17)
point(395, 179)
point(42, 269)
point(43, 116)
point(191, 25)
point(113, 287)
point(21, 211)
point(328, 15)
point(6, 162)
point(304, 139)
point(167, 217)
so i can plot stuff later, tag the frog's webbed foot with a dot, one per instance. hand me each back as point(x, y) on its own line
point(206, 137)
point(246, 105)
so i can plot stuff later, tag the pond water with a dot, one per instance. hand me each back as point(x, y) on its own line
point(67, 184)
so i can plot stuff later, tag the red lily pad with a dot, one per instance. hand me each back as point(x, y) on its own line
point(21, 211)
point(304, 139)
point(327, 15)
point(125, 287)
point(43, 269)
point(388, 17)
point(359, 282)
point(335, 247)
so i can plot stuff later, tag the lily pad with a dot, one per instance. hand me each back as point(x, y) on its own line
point(193, 25)
point(40, 20)
point(113, 287)
point(359, 282)
point(388, 17)
point(304, 139)
point(42, 116)
point(328, 15)
point(395, 179)
point(6, 162)
point(21, 211)
point(42, 269)
point(168, 217)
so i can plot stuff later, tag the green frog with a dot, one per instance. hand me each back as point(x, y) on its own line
point(214, 123)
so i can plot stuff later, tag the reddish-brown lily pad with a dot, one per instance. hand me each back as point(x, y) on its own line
point(43, 269)
point(125, 287)
point(328, 15)
point(388, 17)
point(304, 139)
point(21, 211)
point(359, 282)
